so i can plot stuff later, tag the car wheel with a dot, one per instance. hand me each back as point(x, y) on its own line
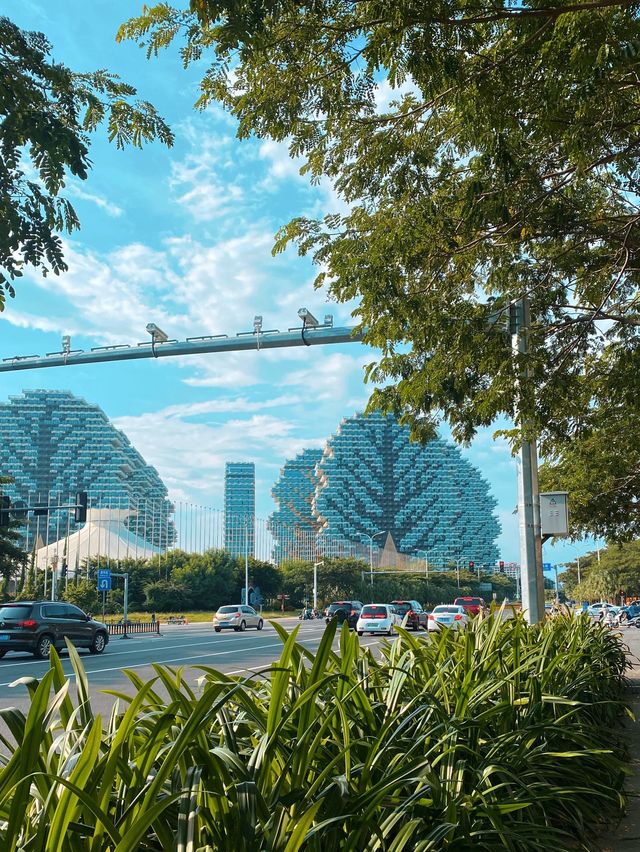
point(390, 631)
point(359, 632)
point(2, 653)
point(99, 643)
point(416, 626)
point(43, 647)
point(217, 629)
point(260, 624)
point(243, 626)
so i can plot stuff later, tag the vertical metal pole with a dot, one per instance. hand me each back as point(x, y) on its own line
point(125, 610)
point(528, 496)
point(578, 561)
point(555, 567)
point(246, 561)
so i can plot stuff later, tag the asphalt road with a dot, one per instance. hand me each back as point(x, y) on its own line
point(191, 645)
point(188, 645)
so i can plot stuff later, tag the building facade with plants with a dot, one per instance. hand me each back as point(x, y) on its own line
point(372, 485)
point(53, 444)
point(293, 524)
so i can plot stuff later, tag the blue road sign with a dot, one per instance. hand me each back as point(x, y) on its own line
point(547, 566)
point(104, 580)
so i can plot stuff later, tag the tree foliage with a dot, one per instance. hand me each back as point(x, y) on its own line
point(83, 594)
point(616, 571)
point(485, 153)
point(46, 114)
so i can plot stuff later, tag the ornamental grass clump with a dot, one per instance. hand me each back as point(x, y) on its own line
point(503, 736)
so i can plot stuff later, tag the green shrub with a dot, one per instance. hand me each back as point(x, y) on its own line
point(500, 737)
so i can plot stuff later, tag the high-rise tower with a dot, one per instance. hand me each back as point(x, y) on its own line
point(240, 508)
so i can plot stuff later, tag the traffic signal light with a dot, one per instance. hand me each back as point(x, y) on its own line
point(81, 507)
point(501, 565)
point(5, 514)
point(472, 565)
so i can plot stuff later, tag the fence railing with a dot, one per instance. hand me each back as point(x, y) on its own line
point(118, 628)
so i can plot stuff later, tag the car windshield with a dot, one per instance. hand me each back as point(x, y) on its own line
point(342, 605)
point(224, 610)
point(402, 607)
point(14, 613)
point(445, 609)
point(374, 610)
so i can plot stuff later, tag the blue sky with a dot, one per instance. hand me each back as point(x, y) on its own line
point(183, 238)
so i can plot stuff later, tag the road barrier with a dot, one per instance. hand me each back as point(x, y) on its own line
point(133, 627)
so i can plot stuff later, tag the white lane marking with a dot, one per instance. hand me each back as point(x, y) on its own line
point(184, 661)
point(139, 650)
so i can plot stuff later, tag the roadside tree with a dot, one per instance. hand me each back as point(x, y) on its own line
point(480, 154)
point(83, 594)
point(47, 112)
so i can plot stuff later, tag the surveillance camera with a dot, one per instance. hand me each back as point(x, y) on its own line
point(308, 318)
point(157, 334)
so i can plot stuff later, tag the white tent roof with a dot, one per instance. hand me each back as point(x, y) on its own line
point(104, 534)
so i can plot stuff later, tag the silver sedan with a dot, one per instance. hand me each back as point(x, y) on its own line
point(237, 617)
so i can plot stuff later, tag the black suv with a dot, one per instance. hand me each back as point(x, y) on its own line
point(416, 616)
point(36, 625)
point(344, 611)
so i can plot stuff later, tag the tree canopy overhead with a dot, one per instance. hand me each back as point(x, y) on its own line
point(46, 114)
point(486, 151)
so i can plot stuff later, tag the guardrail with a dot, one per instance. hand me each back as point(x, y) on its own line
point(118, 629)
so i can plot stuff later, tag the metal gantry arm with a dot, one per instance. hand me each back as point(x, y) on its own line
point(161, 347)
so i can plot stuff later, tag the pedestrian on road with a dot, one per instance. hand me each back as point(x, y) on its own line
point(153, 618)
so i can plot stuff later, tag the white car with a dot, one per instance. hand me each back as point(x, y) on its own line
point(447, 615)
point(236, 617)
point(377, 618)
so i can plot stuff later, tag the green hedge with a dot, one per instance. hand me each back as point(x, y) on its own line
point(500, 737)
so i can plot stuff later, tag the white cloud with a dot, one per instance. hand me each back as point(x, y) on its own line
point(328, 377)
point(224, 406)
point(190, 457)
point(21, 319)
point(75, 190)
point(281, 165)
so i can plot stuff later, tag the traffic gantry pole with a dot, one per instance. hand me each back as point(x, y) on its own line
point(532, 579)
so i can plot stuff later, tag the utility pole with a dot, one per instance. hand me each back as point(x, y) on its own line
point(528, 496)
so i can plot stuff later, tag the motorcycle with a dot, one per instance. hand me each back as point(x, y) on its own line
point(306, 615)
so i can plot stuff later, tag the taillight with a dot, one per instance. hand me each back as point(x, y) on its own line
point(29, 623)
point(237, 615)
point(411, 613)
point(457, 617)
point(432, 617)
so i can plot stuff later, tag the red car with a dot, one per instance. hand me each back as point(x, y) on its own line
point(472, 606)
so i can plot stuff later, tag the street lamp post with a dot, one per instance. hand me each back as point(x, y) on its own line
point(425, 553)
point(246, 561)
point(315, 583)
point(458, 561)
point(371, 538)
